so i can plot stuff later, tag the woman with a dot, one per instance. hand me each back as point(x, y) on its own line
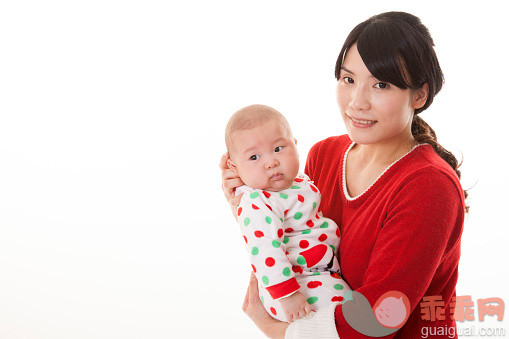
point(391, 188)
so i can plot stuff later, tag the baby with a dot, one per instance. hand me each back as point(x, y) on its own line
point(291, 245)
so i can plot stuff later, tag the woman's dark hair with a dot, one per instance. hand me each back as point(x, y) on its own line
point(397, 48)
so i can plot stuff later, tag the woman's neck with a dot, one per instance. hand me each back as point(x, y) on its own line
point(383, 153)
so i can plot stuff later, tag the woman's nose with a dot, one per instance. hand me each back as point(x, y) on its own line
point(359, 98)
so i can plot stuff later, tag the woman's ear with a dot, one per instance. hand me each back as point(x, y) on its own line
point(420, 96)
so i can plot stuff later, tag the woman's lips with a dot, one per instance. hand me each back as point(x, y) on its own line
point(362, 123)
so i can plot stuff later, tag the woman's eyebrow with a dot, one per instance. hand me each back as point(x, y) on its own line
point(347, 70)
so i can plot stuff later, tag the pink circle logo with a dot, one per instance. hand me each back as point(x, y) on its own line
point(392, 309)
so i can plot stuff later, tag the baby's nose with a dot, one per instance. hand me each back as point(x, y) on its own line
point(271, 163)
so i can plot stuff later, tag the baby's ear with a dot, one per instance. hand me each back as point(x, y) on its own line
point(231, 165)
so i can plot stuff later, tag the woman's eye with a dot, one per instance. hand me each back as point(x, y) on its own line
point(348, 80)
point(382, 85)
point(254, 157)
point(278, 149)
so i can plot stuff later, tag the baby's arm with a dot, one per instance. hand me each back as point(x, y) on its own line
point(261, 223)
point(295, 306)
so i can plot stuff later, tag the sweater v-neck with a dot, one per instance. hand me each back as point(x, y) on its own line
point(382, 177)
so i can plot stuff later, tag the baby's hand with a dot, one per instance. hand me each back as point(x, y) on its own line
point(295, 306)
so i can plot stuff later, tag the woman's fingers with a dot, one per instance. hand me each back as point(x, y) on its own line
point(251, 297)
point(235, 202)
point(223, 163)
point(245, 305)
point(253, 289)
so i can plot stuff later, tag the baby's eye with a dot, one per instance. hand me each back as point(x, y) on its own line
point(381, 85)
point(254, 157)
point(278, 149)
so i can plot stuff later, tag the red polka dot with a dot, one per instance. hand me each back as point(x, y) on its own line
point(289, 230)
point(336, 298)
point(273, 310)
point(317, 216)
point(337, 232)
point(286, 211)
point(323, 237)
point(270, 208)
point(310, 223)
point(245, 239)
point(254, 268)
point(303, 244)
point(239, 211)
point(299, 180)
point(314, 284)
point(258, 234)
point(297, 269)
point(270, 261)
point(280, 233)
point(255, 207)
point(266, 194)
point(300, 197)
point(313, 188)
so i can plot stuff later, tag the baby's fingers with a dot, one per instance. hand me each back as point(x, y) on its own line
point(308, 308)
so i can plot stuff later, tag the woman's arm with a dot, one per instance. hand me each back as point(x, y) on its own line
point(254, 309)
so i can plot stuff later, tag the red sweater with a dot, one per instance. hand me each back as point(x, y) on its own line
point(402, 234)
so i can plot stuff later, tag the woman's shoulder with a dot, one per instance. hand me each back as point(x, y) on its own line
point(337, 143)
point(427, 167)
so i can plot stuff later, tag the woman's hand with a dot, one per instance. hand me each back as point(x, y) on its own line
point(230, 181)
point(254, 309)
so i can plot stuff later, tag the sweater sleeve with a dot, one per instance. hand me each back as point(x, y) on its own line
point(420, 233)
point(263, 233)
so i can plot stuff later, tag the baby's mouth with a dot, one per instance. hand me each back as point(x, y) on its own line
point(277, 176)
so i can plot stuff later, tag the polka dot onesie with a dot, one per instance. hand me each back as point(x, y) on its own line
point(291, 245)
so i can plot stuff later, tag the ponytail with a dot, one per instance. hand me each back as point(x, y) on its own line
point(423, 133)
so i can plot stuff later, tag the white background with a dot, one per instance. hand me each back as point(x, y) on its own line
point(112, 113)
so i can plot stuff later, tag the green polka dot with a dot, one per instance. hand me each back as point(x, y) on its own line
point(281, 219)
point(287, 271)
point(338, 286)
point(314, 204)
point(324, 225)
point(301, 260)
point(306, 231)
point(312, 300)
point(286, 240)
point(298, 215)
point(268, 220)
point(333, 248)
point(255, 250)
point(284, 196)
point(263, 300)
point(246, 221)
point(265, 280)
point(276, 243)
point(254, 195)
point(295, 187)
point(316, 273)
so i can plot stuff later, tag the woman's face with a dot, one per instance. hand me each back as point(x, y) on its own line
point(373, 111)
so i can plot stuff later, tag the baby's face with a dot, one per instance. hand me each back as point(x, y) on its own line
point(266, 157)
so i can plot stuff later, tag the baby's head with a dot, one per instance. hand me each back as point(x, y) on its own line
point(262, 149)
